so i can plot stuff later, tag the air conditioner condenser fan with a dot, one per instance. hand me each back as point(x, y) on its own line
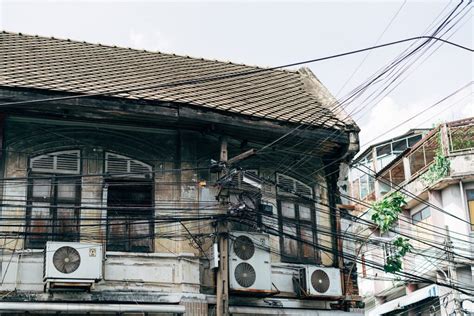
point(245, 274)
point(320, 281)
point(66, 259)
point(244, 247)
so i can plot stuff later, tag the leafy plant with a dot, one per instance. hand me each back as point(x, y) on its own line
point(394, 264)
point(387, 210)
point(385, 214)
point(394, 261)
point(439, 168)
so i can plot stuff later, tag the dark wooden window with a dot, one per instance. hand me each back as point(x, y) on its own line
point(130, 216)
point(297, 219)
point(53, 209)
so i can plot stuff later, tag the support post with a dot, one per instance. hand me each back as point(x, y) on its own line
point(222, 286)
point(452, 274)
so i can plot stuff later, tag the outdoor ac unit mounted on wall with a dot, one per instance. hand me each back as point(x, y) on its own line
point(71, 263)
point(249, 262)
point(321, 281)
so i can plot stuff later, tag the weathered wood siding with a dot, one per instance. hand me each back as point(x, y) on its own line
point(167, 151)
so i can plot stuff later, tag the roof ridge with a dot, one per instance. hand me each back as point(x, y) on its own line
point(270, 68)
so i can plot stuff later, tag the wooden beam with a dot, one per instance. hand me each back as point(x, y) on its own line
point(242, 156)
point(176, 115)
point(346, 206)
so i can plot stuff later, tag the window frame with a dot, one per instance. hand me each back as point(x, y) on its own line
point(420, 213)
point(128, 219)
point(297, 221)
point(53, 207)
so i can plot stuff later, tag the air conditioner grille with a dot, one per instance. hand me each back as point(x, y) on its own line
point(244, 247)
point(66, 259)
point(320, 281)
point(245, 274)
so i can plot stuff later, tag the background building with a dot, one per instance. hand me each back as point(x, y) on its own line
point(436, 174)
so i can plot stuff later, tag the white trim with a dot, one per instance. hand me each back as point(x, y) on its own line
point(88, 307)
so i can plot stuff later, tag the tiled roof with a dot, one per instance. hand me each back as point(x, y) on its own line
point(78, 67)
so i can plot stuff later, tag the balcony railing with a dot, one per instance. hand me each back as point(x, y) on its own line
point(450, 139)
point(461, 135)
point(423, 153)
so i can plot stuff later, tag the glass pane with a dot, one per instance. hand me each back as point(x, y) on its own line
point(399, 146)
point(416, 218)
point(305, 212)
point(66, 225)
point(290, 245)
point(288, 209)
point(66, 189)
point(426, 213)
point(371, 184)
point(382, 162)
point(413, 140)
point(39, 225)
point(364, 187)
point(42, 188)
point(307, 235)
point(384, 150)
point(140, 235)
point(470, 195)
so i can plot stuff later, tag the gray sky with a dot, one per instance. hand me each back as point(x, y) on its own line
point(269, 33)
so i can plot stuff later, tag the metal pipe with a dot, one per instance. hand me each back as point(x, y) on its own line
point(87, 307)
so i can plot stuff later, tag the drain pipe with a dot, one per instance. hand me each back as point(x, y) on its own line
point(81, 307)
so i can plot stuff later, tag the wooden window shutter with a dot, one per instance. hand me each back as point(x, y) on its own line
point(118, 165)
point(288, 184)
point(67, 162)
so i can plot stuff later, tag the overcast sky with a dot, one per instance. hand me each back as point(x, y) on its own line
point(269, 33)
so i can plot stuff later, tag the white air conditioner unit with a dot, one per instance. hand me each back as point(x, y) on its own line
point(321, 281)
point(69, 263)
point(249, 262)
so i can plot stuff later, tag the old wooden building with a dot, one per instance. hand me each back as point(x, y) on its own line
point(123, 181)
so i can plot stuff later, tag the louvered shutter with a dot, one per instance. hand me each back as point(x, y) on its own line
point(67, 162)
point(118, 165)
point(286, 183)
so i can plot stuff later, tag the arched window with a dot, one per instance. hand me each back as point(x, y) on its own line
point(130, 210)
point(53, 198)
point(297, 217)
point(288, 185)
point(122, 166)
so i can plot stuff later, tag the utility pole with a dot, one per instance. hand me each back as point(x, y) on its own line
point(452, 274)
point(222, 286)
